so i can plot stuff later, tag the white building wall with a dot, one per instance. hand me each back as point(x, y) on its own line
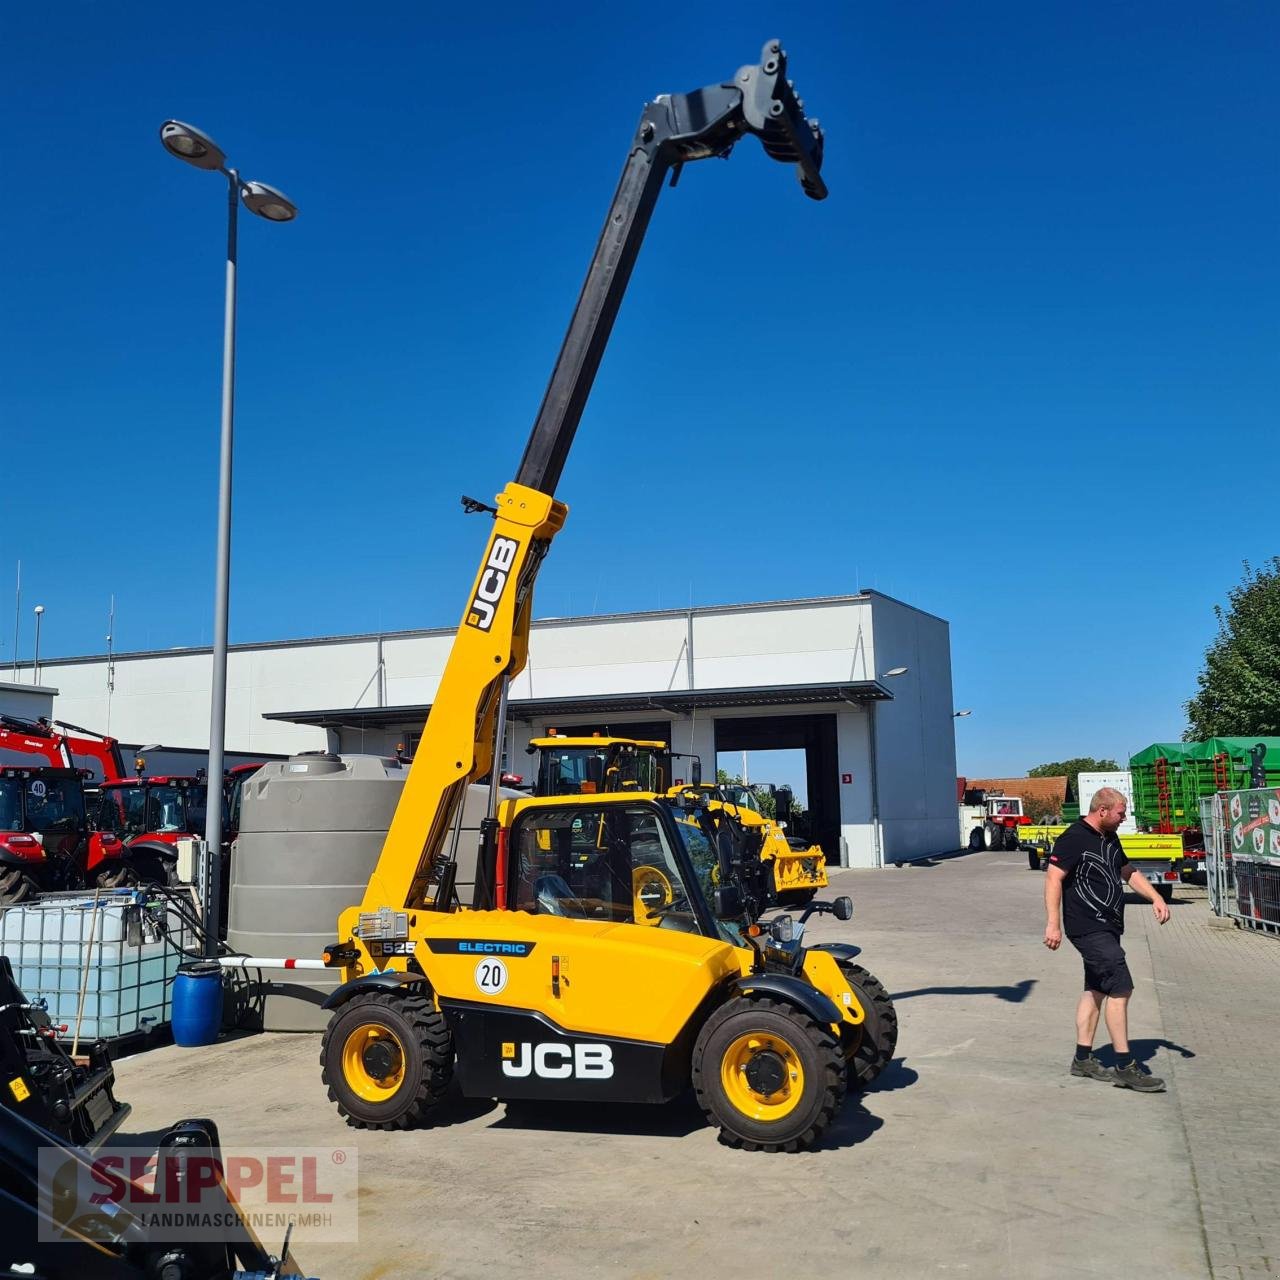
point(915, 756)
point(164, 697)
point(26, 701)
point(853, 750)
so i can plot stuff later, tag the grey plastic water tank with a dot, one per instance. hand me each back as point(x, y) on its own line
point(311, 830)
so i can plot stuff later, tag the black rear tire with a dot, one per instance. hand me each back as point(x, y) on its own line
point(151, 868)
point(995, 838)
point(792, 1038)
point(869, 1049)
point(1165, 890)
point(423, 1058)
point(115, 875)
point(976, 842)
point(17, 886)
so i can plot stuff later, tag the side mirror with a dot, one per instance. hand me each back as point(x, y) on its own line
point(782, 805)
point(728, 901)
point(696, 771)
point(842, 907)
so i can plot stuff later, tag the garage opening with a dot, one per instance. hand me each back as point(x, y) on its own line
point(815, 736)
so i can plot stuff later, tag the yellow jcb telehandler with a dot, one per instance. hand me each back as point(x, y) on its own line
point(613, 947)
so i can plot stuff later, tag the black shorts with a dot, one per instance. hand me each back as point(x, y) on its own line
point(1105, 968)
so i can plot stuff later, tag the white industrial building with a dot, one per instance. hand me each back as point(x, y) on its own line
point(811, 674)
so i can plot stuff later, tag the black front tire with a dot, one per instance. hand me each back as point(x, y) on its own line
point(823, 1082)
point(425, 1046)
point(17, 886)
point(1011, 838)
point(868, 1049)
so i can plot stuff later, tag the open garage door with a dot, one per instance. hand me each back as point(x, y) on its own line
point(816, 737)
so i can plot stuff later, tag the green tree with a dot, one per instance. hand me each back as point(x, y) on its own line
point(1040, 808)
point(1240, 684)
point(1069, 768)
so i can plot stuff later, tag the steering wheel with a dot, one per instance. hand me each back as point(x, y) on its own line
point(652, 893)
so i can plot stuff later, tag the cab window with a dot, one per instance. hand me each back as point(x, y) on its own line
point(606, 862)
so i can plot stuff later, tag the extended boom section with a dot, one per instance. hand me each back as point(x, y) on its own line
point(491, 642)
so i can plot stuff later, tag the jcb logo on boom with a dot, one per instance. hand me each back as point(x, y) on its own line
point(554, 1061)
point(493, 581)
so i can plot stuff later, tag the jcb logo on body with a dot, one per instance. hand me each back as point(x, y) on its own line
point(553, 1061)
point(493, 582)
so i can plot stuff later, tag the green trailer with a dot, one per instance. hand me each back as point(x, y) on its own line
point(1171, 778)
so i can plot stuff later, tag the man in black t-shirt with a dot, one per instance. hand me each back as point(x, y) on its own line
point(1084, 889)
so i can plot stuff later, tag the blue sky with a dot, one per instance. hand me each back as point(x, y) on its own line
point(1018, 370)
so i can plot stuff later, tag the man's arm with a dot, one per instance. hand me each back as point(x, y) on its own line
point(1053, 878)
point(1144, 889)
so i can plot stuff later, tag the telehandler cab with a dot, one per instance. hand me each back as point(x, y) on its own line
point(613, 949)
point(583, 765)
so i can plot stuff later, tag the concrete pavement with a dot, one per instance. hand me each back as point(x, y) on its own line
point(975, 1154)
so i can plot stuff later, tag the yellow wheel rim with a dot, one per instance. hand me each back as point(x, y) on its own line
point(651, 891)
point(735, 1073)
point(355, 1071)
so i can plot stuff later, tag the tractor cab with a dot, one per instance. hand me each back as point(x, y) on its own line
point(157, 806)
point(570, 766)
point(151, 815)
point(233, 793)
point(45, 840)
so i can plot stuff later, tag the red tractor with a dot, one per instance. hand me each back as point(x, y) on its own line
point(150, 816)
point(997, 822)
point(46, 842)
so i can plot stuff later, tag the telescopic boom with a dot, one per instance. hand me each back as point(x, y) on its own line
point(491, 645)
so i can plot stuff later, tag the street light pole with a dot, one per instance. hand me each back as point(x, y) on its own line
point(196, 148)
point(35, 666)
point(222, 584)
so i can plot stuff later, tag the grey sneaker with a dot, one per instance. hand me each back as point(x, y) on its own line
point(1092, 1069)
point(1134, 1076)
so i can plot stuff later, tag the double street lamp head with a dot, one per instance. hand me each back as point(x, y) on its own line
point(196, 148)
point(267, 202)
point(192, 145)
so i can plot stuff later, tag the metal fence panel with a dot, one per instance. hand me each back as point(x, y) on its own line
point(1242, 845)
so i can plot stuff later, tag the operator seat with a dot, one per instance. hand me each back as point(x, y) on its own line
point(554, 897)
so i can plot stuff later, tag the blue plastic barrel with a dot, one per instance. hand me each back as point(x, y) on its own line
point(197, 1003)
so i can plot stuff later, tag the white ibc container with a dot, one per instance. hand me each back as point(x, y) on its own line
point(311, 830)
point(123, 952)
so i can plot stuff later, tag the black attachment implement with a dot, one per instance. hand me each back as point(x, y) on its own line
point(674, 129)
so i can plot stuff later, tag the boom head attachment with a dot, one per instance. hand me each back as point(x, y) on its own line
point(775, 114)
point(759, 100)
